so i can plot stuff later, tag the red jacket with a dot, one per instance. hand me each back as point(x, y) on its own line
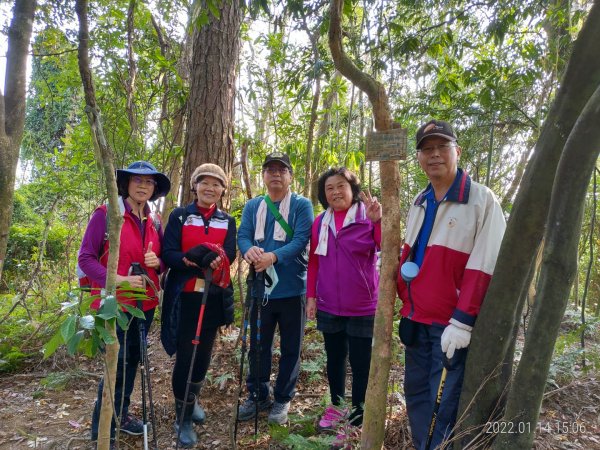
point(460, 255)
point(132, 249)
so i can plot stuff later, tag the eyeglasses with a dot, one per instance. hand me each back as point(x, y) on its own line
point(145, 181)
point(276, 170)
point(431, 148)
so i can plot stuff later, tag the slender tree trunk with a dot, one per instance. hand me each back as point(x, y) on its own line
point(321, 134)
point(493, 334)
point(12, 112)
point(177, 123)
point(558, 271)
point(308, 175)
point(245, 170)
point(216, 48)
point(376, 400)
point(314, 108)
point(104, 158)
point(132, 69)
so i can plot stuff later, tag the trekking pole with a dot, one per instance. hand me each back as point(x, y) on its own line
point(259, 290)
point(148, 386)
point(207, 280)
point(438, 401)
point(247, 314)
point(137, 269)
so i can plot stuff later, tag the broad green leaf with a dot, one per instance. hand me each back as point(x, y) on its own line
point(123, 320)
point(105, 336)
point(73, 343)
point(51, 346)
point(134, 311)
point(67, 329)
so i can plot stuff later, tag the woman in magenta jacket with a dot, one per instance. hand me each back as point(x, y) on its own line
point(342, 286)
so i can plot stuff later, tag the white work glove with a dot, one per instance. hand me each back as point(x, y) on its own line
point(378, 263)
point(457, 335)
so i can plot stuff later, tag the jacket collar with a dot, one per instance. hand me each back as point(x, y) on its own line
point(191, 209)
point(458, 192)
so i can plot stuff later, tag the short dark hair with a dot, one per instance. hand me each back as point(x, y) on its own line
point(349, 176)
point(123, 186)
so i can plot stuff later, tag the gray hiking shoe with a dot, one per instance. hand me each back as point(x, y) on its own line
point(248, 408)
point(279, 413)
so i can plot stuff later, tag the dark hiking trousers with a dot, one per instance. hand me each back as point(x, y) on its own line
point(287, 314)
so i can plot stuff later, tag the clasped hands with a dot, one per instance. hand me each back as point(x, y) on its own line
point(260, 259)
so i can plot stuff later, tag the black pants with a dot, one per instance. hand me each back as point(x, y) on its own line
point(188, 321)
point(289, 315)
point(338, 346)
point(127, 368)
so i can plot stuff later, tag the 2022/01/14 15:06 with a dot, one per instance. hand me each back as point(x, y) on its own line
point(554, 427)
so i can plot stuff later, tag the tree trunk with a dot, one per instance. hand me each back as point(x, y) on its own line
point(374, 416)
point(493, 334)
point(216, 48)
point(132, 69)
point(245, 170)
point(12, 112)
point(104, 159)
point(558, 271)
point(321, 134)
point(314, 108)
point(174, 132)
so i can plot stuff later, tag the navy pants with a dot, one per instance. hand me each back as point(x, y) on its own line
point(289, 315)
point(127, 368)
point(423, 371)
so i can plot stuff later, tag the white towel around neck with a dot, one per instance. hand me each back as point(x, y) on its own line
point(329, 222)
point(261, 217)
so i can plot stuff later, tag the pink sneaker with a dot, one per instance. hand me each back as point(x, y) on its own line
point(331, 417)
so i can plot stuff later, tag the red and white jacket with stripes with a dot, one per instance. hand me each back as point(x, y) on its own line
point(460, 255)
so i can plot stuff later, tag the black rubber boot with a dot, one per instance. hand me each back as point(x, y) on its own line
point(199, 415)
point(187, 435)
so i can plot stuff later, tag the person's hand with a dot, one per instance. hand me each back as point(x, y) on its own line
point(372, 206)
point(150, 258)
point(214, 263)
point(311, 308)
point(189, 263)
point(456, 335)
point(265, 261)
point(254, 254)
point(209, 259)
point(135, 281)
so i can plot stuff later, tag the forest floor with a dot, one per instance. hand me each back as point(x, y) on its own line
point(49, 406)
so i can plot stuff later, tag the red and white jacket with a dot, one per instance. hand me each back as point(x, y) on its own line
point(460, 255)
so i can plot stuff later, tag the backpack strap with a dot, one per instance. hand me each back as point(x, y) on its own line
point(278, 217)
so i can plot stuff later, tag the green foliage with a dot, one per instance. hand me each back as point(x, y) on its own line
point(319, 442)
point(569, 356)
point(84, 330)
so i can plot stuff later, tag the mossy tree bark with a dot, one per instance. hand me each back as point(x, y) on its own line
point(489, 364)
point(559, 265)
point(12, 112)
